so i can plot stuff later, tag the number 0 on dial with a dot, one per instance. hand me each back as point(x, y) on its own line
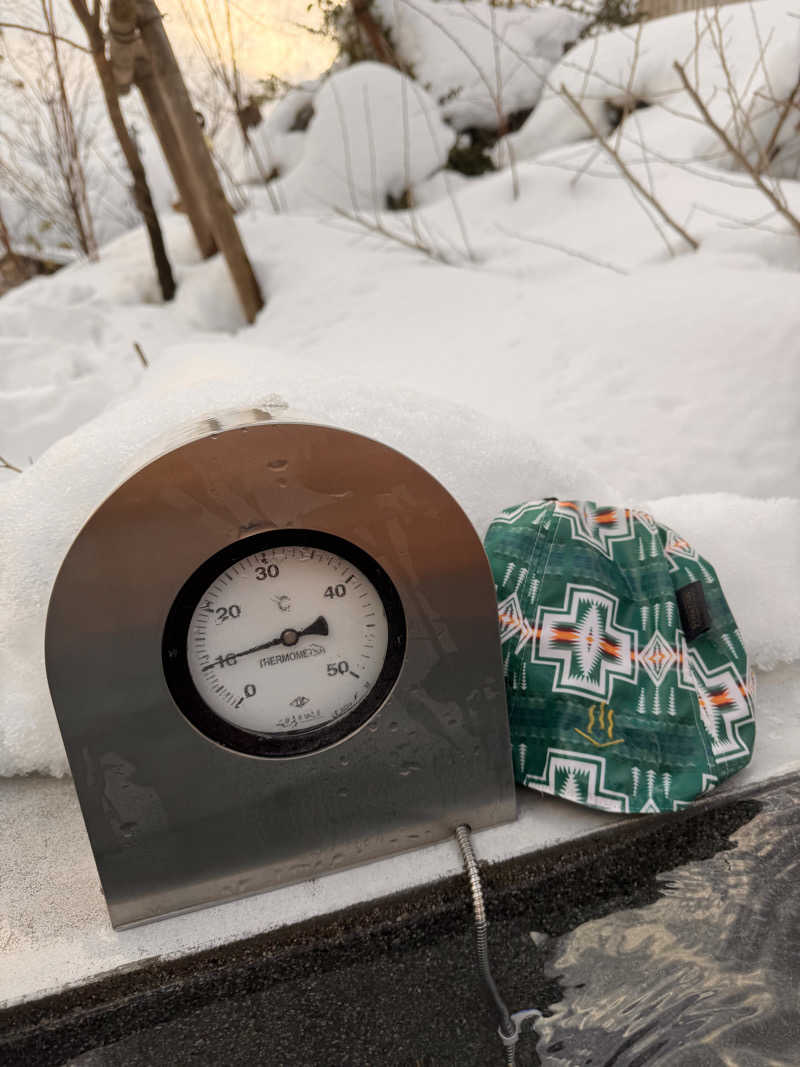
point(284, 643)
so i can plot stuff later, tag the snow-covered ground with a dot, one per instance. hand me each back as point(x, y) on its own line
point(562, 341)
point(530, 370)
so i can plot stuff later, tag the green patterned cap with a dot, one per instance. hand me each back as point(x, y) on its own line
point(627, 681)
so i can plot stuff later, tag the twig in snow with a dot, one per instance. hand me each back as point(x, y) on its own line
point(451, 195)
point(574, 252)
point(628, 99)
point(789, 103)
point(736, 152)
point(5, 465)
point(138, 350)
point(632, 179)
point(379, 229)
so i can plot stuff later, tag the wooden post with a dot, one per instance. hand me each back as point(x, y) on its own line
point(185, 181)
point(122, 38)
point(198, 158)
point(141, 190)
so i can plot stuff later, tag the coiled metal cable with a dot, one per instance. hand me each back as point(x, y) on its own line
point(509, 1029)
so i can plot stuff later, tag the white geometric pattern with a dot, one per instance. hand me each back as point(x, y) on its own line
point(646, 519)
point(677, 547)
point(582, 778)
point(599, 528)
point(724, 707)
point(508, 518)
point(513, 622)
point(657, 657)
point(585, 643)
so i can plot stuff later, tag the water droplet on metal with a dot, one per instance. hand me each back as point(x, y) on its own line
point(278, 464)
point(282, 483)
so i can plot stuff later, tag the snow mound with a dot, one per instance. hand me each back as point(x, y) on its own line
point(374, 134)
point(477, 59)
point(756, 45)
point(482, 463)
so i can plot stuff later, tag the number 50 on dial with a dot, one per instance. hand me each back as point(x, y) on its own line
point(284, 643)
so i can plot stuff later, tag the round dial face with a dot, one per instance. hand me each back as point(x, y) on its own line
point(284, 643)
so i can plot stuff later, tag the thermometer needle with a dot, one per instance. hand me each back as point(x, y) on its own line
point(288, 637)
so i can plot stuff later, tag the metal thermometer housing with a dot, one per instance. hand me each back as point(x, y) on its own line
point(231, 547)
point(284, 643)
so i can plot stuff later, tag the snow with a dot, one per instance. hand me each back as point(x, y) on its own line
point(565, 342)
point(477, 59)
point(493, 383)
point(374, 134)
point(560, 343)
point(740, 58)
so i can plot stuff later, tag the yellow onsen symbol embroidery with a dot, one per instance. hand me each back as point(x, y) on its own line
point(605, 721)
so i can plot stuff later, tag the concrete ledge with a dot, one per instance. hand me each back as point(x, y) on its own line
point(209, 994)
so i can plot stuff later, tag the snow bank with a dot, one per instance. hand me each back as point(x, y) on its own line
point(483, 464)
point(636, 64)
point(375, 133)
point(472, 56)
point(486, 464)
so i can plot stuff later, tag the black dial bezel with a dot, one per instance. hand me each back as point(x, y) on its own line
point(290, 743)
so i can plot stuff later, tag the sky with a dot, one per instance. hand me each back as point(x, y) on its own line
point(268, 36)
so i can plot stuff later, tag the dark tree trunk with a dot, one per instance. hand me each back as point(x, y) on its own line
point(141, 190)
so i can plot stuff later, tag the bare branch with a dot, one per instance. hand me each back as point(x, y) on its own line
point(789, 103)
point(44, 33)
point(631, 177)
point(379, 229)
point(736, 152)
point(5, 465)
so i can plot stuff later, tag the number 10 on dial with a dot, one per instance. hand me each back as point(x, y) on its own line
point(284, 643)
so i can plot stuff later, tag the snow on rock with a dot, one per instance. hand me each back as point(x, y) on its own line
point(757, 44)
point(276, 143)
point(754, 546)
point(482, 464)
point(375, 133)
point(479, 59)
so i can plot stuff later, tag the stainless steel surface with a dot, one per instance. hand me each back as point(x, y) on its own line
point(177, 822)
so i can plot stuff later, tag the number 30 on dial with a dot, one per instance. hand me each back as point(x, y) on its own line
point(284, 643)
